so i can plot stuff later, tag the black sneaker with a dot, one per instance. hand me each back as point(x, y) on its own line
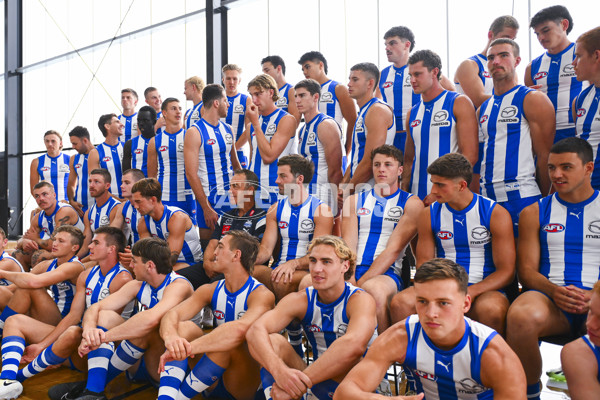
point(66, 391)
point(89, 395)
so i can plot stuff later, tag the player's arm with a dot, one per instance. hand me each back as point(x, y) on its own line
point(34, 176)
point(235, 161)
point(292, 107)
point(447, 84)
point(142, 228)
point(409, 156)
point(269, 239)
point(581, 370)
point(363, 379)
point(467, 128)
point(503, 254)
point(527, 79)
point(378, 120)
point(405, 230)
point(574, 111)
point(66, 216)
point(126, 161)
point(71, 187)
point(177, 226)
point(426, 243)
point(467, 75)
point(152, 158)
point(329, 135)
point(541, 116)
point(348, 112)
point(93, 160)
point(209, 252)
point(270, 151)
point(87, 235)
point(26, 280)
point(118, 221)
point(349, 348)
point(499, 364)
point(350, 222)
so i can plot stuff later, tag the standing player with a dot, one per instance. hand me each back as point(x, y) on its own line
point(193, 88)
point(275, 66)
point(79, 195)
point(129, 99)
point(154, 100)
point(442, 122)
point(444, 353)
point(52, 166)
point(135, 151)
point(108, 155)
point(553, 72)
point(236, 113)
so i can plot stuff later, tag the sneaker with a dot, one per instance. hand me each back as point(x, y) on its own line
point(384, 388)
point(66, 391)
point(556, 379)
point(10, 389)
point(207, 318)
point(89, 395)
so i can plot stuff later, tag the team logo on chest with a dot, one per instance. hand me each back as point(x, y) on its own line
point(426, 375)
point(271, 129)
point(163, 148)
point(220, 315)
point(469, 386)
point(326, 97)
point(568, 71)
point(394, 214)
point(281, 102)
point(440, 118)
point(555, 228)
point(238, 109)
point(210, 142)
point(45, 169)
point(77, 166)
point(540, 75)
point(311, 140)
point(387, 85)
point(138, 151)
point(363, 211)
point(486, 74)
point(594, 228)
point(63, 168)
point(307, 226)
point(480, 235)
point(180, 147)
point(359, 128)
point(508, 115)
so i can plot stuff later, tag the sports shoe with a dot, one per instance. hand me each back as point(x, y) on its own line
point(66, 391)
point(556, 379)
point(10, 389)
point(89, 395)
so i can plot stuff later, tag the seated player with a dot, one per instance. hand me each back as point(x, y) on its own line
point(468, 229)
point(338, 318)
point(444, 353)
point(379, 224)
point(237, 300)
point(7, 263)
point(49, 344)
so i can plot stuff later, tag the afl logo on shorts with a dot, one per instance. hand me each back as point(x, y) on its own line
point(415, 123)
point(163, 148)
point(445, 235)
point(283, 225)
point(363, 211)
point(580, 112)
point(554, 228)
point(483, 119)
point(138, 151)
point(219, 314)
point(210, 142)
point(388, 85)
point(107, 159)
point(540, 75)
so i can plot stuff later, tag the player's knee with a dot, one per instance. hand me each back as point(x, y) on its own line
point(71, 335)
point(279, 342)
point(402, 305)
point(17, 322)
point(523, 318)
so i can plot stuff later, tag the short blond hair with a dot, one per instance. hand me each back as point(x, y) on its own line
point(341, 249)
point(231, 67)
point(197, 82)
point(265, 82)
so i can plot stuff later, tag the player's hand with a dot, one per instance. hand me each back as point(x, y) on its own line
point(569, 299)
point(252, 113)
point(30, 246)
point(278, 393)
point(125, 257)
point(210, 217)
point(31, 352)
point(84, 348)
point(415, 397)
point(159, 124)
point(429, 200)
point(292, 381)
point(284, 272)
point(178, 348)
point(94, 337)
point(78, 207)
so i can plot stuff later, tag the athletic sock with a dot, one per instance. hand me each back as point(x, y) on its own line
point(267, 382)
point(294, 330)
point(7, 312)
point(534, 391)
point(171, 379)
point(12, 351)
point(123, 358)
point(204, 374)
point(98, 361)
point(45, 359)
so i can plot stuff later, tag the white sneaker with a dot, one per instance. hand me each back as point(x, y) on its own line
point(10, 389)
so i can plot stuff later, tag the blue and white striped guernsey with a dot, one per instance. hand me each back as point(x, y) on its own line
point(191, 252)
point(149, 296)
point(587, 124)
point(360, 133)
point(296, 228)
point(171, 168)
point(329, 103)
point(324, 323)
point(447, 374)
point(193, 115)
point(100, 216)
point(465, 236)
point(283, 101)
point(229, 306)
point(62, 292)
point(595, 350)
point(130, 127)
point(82, 194)
point(236, 114)
point(310, 147)
point(131, 218)
point(508, 166)
point(47, 223)
point(267, 173)
point(97, 285)
point(377, 217)
point(482, 72)
point(139, 153)
point(5, 256)
point(570, 241)
point(56, 171)
point(433, 131)
point(110, 158)
point(556, 74)
point(214, 159)
point(396, 90)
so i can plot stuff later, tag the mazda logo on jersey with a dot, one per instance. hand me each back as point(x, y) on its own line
point(105, 220)
point(104, 293)
point(445, 235)
point(283, 225)
point(483, 119)
point(554, 228)
point(540, 75)
point(569, 69)
point(281, 102)
point(580, 112)
point(395, 212)
point(469, 386)
point(307, 224)
point(480, 233)
point(220, 315)
point(388, 85)
point(407, 80)
point(271, 129)
point(594, 227)
point(45, 169)
point(239, 109)
point(180, 147)
point(138, 151)
point(415, 123)
point(64, 168)
point(211, 142)
point(440, 116)
point(106, 159)
point(228, 138)
point(326, 97)
point(163, 148)
point(508, 112)
point(363, 211)
point(341, 330)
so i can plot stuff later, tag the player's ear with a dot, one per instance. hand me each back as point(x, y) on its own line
point(467, 303)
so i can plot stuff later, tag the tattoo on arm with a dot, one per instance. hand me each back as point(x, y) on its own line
point(63, 221)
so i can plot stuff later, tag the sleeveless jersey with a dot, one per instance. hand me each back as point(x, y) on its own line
point(229, 306)
point(110, 157)
point(267, 173)
point(570, 241)
point(97, 285)
point(360, 133)
point(556, 74)
point(283, 101)
point(329, 103)
point(191, 252)
point(62, 292)
point(324, 323)
point(139, 153)
point(482, 72)
point(596, 351)
point(5, 256)
point(447, 374)
point(149, 296)
point(396, 90)
point(193, 115)
point(47, 223)
point(310, 147)
point(433, 131)
point(131, 218)
point(236, 114)
point(82, 194)
point(171, 169)
point(214, 159)
point(100, 216)
point(56, 171)
point(130, 128)
point(587, 124)
point(508, 166)
point(377, 217)
point(296, 228)
point(465, 236)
